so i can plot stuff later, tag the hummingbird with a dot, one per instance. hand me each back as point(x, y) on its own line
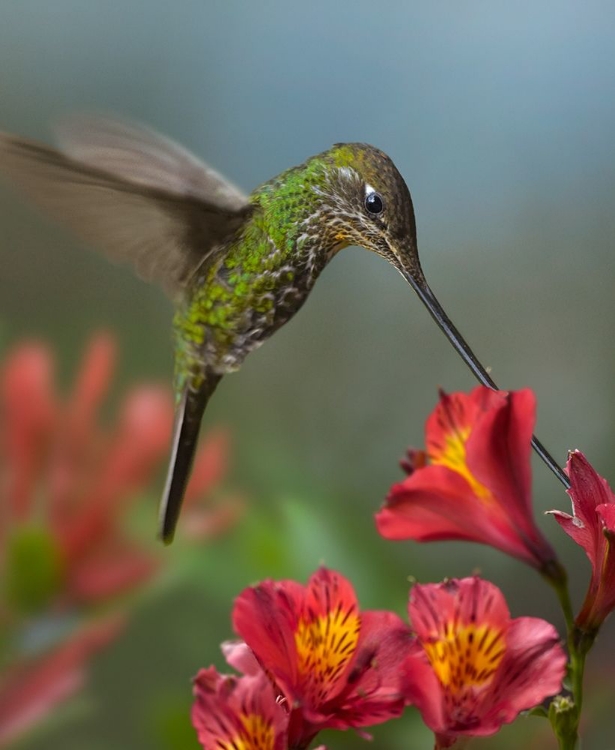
point(237, 267)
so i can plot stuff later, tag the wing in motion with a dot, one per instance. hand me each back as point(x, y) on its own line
point(130, 193)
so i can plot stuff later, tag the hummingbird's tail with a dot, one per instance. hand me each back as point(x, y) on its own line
point(185, 438)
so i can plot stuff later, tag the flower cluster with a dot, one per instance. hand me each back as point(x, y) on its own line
point(309, 659)
point(325, 664)
point(66, 487)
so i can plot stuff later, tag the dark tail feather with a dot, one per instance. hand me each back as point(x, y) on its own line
point(185, 439)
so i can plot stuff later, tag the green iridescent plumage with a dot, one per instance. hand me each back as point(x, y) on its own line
point(261, 275)
point(237, 267)
point(260, 259)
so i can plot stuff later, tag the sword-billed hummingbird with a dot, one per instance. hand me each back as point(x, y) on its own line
point(237, 267)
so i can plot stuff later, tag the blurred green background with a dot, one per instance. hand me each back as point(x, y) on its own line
point(502, 119)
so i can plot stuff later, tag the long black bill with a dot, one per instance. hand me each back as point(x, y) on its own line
point(428, 298)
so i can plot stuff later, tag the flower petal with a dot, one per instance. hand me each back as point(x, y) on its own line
point(110, 569)
point(452, 421)
point(422, 689)
point(435, 504)
point(210, 465)
point(592, 527)
point(433, 607)
point(89, 390)
point(212, 521)
point(533, 669)
point(372, 690)
point(237, 712)
point(499, 456)
point(239, 655)
point(266, 617)
point(477, 487)
point(140, 443)
point(587, 490)
point(335, 666)
point(28, 409)
point(487, 667)
point(499, 450)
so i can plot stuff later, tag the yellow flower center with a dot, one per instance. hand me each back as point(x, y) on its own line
point(466, 656)
point(325, 644)
point(257, 734)
point(453, 456)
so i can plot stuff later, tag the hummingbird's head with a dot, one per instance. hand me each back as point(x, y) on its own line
point(369, 205)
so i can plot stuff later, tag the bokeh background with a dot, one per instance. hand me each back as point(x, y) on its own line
point(501, 117)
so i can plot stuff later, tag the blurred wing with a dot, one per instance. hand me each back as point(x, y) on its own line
point(144, 157)
point(132, 195)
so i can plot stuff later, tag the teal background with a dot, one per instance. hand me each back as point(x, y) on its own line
point(501, 117)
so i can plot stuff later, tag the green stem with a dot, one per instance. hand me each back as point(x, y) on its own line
point(556, 576)
point(565, 714)
point(579, 645)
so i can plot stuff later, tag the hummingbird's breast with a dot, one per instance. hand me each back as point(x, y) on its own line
point(236, 305)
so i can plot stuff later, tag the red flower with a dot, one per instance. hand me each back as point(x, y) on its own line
point(592, 526)
point(66, 487)
point(237, 712)
point(68, 484)
point(479, 668)
point(477, 486)
point(334, 666)
point(31, 688)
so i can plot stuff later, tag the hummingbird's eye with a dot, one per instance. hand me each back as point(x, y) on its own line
point(373, 204)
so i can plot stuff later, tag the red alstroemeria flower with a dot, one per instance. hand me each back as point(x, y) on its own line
point(333, 665)
point(479, 668)
point(592, 527)
point(238, 712)
point(477, 486)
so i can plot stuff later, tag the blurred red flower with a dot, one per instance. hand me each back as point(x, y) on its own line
point(68, 484)
point(30, 688)
point(65, 487)
point(592, 526)
point(201, 518)
point(477, 485)
point(332, 665)
point(479, 668)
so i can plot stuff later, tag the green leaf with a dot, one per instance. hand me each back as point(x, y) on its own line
point(34, 570)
